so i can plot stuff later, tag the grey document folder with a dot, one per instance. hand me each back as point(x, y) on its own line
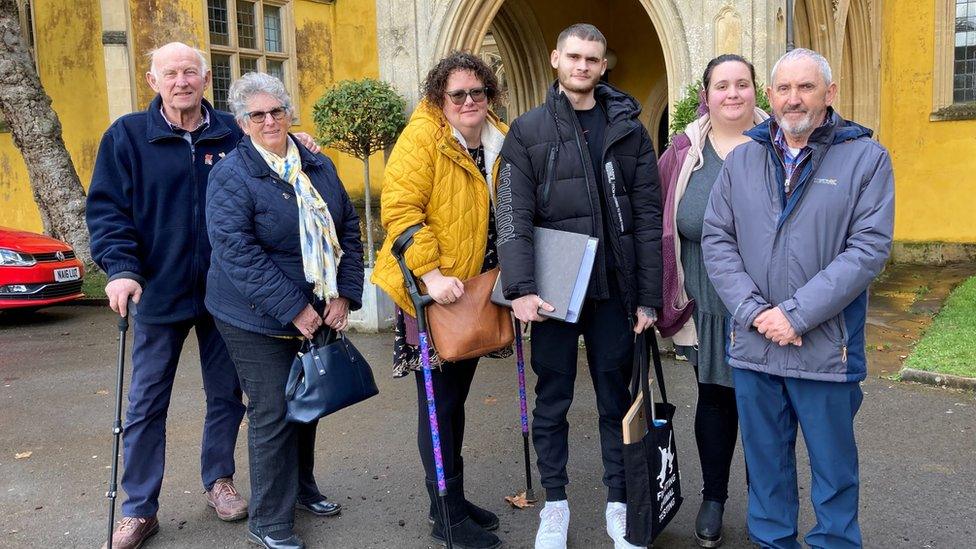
point(563, 263)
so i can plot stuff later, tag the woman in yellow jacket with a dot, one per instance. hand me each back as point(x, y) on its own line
point(441, 175)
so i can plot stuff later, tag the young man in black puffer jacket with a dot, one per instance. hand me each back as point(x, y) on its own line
point(582, 162)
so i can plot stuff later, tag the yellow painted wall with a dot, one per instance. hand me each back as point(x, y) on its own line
point(337, 42)
point(70, 60)
point(934, 162)
point(334, 42)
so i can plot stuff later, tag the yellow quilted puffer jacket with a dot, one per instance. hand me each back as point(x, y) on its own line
point(431, 179)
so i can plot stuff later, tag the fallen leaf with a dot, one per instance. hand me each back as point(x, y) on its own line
point(23, 455)
point(519, 501)
point(490, 400)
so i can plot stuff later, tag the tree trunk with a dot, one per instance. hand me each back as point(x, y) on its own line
point(36, 131)
point(370, 254)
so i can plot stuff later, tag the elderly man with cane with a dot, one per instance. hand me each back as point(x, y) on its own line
point(145, 214)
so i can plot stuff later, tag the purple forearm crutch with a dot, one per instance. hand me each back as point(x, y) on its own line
point(420, 303)
point(520, 361)
point(435, 434)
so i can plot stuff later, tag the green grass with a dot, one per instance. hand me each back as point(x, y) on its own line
point(94, 285)
point(947, 346)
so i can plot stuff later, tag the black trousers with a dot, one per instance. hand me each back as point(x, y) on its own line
point(281, 454)
point(451, 386)
point(606, 330)
point(716, 430)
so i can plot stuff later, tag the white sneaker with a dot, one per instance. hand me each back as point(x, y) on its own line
point(553, 525)
point(617, 525)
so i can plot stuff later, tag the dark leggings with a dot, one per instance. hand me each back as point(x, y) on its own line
point(451, 386)
point(716, 429)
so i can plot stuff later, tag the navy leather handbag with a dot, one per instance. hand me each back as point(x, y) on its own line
point(327, 375)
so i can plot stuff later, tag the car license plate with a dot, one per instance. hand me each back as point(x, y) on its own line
point(65, 275)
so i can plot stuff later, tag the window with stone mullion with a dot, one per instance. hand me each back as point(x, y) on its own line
point(964, 53)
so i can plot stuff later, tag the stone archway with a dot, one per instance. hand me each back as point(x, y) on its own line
point(847, 33)
point(860, 67)
point(655, 109)
point(467, 21)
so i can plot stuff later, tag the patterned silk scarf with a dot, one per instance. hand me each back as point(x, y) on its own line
point(321, 251)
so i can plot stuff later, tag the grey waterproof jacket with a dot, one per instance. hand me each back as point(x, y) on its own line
point(812, 254)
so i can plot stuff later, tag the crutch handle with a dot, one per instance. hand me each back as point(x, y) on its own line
point(399, 249)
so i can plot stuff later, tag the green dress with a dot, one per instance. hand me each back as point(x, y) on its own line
point(710, 314)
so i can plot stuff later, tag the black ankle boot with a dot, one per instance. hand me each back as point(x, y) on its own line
point(465, 532)
point(482, 517)
point(708, 525)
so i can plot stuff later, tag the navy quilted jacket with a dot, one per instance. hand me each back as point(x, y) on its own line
point(256, 280)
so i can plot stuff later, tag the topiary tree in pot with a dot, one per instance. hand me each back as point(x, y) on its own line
point(360, 118)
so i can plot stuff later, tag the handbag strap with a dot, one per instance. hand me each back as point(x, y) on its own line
point(658, 370)
point(641, 370)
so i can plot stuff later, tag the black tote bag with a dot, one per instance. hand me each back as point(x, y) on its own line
point(651, 462)
point(327, 375)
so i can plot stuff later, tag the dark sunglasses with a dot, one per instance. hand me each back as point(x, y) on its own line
point(458, 97)
point(258, 117)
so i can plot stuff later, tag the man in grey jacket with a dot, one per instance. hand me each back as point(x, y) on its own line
point(798, 225)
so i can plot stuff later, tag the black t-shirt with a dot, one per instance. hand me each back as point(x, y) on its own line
point(594, 125)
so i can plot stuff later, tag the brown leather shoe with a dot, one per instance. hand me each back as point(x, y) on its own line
point(132, 532)
point(226, 500)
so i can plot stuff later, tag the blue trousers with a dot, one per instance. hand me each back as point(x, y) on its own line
point(155, 355)
point(770, 407)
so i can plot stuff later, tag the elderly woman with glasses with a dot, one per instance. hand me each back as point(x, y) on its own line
point(442, 174)
point(287, 261)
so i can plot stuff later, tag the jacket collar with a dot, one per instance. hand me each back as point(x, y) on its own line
point(450, 142)
point(618, 105)
point(621, 110)
point(836, 130)
point(256, 166)
point(159, 128)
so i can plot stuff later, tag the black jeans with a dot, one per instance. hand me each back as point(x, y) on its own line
point(451, 386)
point(280, 454)
point(716, 429)
point(605, 327)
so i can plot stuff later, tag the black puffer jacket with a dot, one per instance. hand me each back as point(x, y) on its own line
point(547, 180)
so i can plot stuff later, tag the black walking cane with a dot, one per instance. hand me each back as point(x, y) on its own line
point(420, 303)
point(117, 424)
point(523, 409)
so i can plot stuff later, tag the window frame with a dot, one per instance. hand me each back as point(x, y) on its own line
point(287, 56)
point(944, 108)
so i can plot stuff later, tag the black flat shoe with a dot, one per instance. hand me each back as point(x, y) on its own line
point(321, 508)
point(291, 542)
point(708, 525)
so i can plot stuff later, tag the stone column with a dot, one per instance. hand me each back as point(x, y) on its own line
point(119, 79)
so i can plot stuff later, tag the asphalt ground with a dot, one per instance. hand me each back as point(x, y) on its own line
point(57, 374)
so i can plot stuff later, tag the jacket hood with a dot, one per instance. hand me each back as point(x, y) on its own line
point(619, 105)
point(837, 130)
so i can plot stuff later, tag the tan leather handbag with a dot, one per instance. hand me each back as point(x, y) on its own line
point(472, 326)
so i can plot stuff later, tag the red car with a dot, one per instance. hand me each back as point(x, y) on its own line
point(37, 270)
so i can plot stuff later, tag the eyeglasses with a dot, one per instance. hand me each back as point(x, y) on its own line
point(258, 116)
point(458, 97)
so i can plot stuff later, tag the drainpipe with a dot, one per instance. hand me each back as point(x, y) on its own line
point(789, 26)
